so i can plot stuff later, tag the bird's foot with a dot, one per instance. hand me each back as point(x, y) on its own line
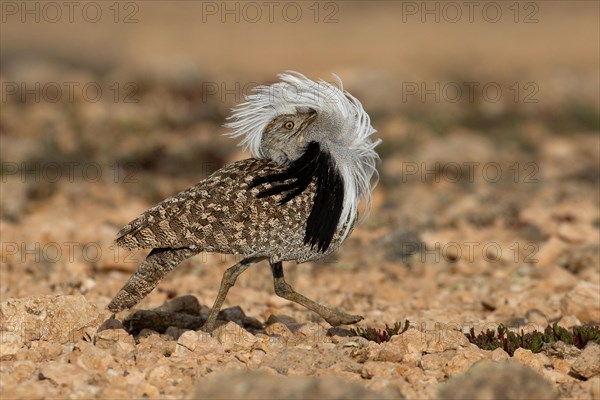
point(340, 318)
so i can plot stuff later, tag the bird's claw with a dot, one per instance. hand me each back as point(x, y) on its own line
point(343, 319)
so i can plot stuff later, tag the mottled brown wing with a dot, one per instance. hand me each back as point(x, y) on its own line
point(222, 214)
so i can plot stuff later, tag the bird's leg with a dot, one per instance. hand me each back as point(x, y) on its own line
point(158, 263)
point(228, 280)
point(283, 289)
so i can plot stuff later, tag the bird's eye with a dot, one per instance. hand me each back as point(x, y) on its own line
point(288, 125)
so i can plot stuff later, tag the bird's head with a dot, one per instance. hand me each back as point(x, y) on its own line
point(297, 123)
point(283, 139)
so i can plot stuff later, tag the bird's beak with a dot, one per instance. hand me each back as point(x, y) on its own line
point(309, 120)
point(310, 112)
point(311, 117)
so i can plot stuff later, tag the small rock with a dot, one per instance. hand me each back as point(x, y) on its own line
point(235, 314)
point(146, 390)
point(379, 369)
point(10, 343)
point(55, 318)
point(550, 251)
point(445, 339)
point(231, 336)
point(594, 387)
point(573, 233)
point(413, 374)
point(279, 329)
point(160, 321)
point(23, 370)
point(117, 341)
point(537, 361)
point(90, 357)
point(505, 380)
point(111, 336)
point(312, 333)
point(197, 343)
point(561, 350)
point(207, 344)
point(589, 389)
point(252, 359)
point(436, 361)
point(113, 392)
point(299, 360)
point(464, 359)
point(391, 352)
point(360, 349)
point(187, 304)
point(252, 323)
point(569, 321)
point(63, 374)
point(587, 365)
point(562, 366)
point(145, 333)
point(582, 258)
point(336, 333)
point(489, 304)
point(499, 355)
point(583, 302)
point(133, 378)
point(40, 350)
point(153, 347)
point(158, 375)
point(175, 332)
point(536, 317)
point(515, 322)
point(412, 344)
point(357, 342)
point(326, 346)
point(284, 319)
point(111, 323)
point(555, 278)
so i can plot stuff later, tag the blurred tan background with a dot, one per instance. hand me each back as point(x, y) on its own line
point(553, 42)
point(403, 39)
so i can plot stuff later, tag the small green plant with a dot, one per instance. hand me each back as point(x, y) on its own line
point(582, 335)
point(501, 337)
point(509, 341)
point(380, 336)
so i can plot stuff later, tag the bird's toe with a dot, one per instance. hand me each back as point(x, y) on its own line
point(344, 319)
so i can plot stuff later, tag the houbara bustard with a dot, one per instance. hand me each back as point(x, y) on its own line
point(296, 199)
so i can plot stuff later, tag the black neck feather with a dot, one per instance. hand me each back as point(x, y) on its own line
point(315, 164)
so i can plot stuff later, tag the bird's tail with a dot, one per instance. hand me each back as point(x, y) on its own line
point(158, 263)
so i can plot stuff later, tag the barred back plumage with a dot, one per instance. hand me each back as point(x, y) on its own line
point(224, 214)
